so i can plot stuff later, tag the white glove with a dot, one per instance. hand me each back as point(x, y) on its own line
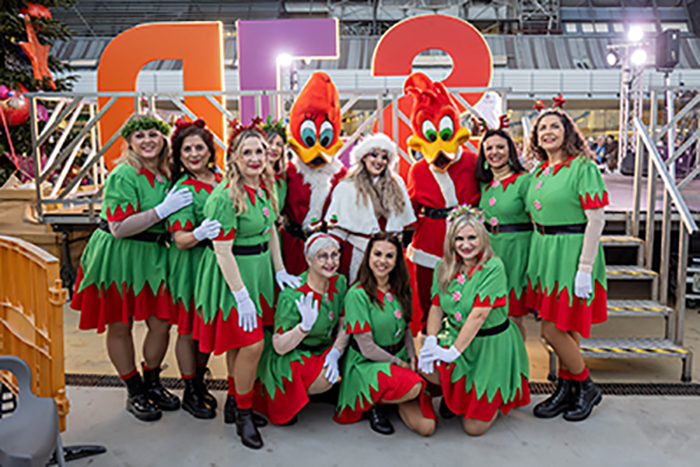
point(439, 354)
point(284, 279)
point(208, 229)
point(247, 314)
point(173, 202)
point(308, 309)
point(426, 365)
point(583, 285)
point(331, 365)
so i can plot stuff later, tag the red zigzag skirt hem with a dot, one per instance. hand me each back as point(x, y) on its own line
point(465, 403)
point(293, 395)
point(99, 307)
point(390, 388)
point(577, 317)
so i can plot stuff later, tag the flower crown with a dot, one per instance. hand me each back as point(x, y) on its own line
point(275, 126)
point(181, 124)
point(465, 209)
point(145, 123)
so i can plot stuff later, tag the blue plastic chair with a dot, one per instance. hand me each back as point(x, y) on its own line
point(30, 436)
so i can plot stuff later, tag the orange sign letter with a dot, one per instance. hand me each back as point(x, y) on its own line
point(198, 45)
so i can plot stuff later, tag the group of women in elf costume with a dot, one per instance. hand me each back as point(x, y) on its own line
point(180, 244)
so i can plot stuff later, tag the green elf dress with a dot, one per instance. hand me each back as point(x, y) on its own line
point(183, 264)
point(216, 324)
point(125, 278)
point(510, 229)
point(366, 382)
point(283, 380)
point(281, 183)
point(492, 372)
point(556, 200)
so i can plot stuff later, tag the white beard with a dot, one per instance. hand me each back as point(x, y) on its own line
point(321, 181)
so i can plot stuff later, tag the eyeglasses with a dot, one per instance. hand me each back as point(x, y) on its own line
point(374, 155)
point(325, 257)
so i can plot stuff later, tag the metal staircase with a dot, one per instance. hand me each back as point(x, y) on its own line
point(635, 290)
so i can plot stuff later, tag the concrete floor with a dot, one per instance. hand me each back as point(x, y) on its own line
point(86, 353)
point(623, 431)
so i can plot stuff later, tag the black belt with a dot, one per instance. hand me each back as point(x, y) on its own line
point(392, 349)
point(494, 330)
point(160, 238)
point(436, 213)
point(241, 250)
point(320, 348)
point(295, 230)
point(507, 228)
point(565, 229)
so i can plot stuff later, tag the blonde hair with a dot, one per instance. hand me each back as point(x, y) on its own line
point(386, 193)
point(235, 178)
point(450, 264)
point(134, 160)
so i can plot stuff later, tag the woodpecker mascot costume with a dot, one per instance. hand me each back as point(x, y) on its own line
point(442, 179)
point(313, 172)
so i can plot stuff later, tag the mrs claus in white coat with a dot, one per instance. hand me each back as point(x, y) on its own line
point(371, 198)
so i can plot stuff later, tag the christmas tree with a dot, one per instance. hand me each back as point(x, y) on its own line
point(28, 31)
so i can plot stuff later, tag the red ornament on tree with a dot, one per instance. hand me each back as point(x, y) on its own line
point(15, 108)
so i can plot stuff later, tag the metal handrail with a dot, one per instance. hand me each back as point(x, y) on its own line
point(669, 183)
point(72, 103)
point(645, 140)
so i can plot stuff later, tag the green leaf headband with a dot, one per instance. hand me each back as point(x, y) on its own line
point(466, 209)
point(274, 126)
point(145, 123)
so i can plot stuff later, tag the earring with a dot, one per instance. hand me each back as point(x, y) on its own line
point(486, 165)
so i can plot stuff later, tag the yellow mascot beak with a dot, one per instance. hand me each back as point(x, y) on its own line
point(441, 154)
point(315, 156)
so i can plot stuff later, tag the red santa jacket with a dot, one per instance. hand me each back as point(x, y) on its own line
point(428, 187)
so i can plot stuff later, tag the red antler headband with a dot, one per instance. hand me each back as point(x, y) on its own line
point(559, 101)
point(503, 122)
point(237, 128)
point(181, 124)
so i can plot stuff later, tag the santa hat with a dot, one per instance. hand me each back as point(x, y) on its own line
point(377, 141)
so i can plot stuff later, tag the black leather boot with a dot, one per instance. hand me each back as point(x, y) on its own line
point(558, 402)
point(161, 397)
point(199, 381)
point(378, 421)
point(586, 396)
point(246, 429)
point(137, 401)
point(193, 401)
point(445, 411)
point(230, 413)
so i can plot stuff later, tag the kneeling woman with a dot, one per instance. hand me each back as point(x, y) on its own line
point(380, 365)
point(486, 365)
point(234, 283)
point(306, 318)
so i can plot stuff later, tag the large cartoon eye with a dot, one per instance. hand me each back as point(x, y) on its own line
point(308, 132)
point(429, 132)
point(325, 135)
point(447, 128)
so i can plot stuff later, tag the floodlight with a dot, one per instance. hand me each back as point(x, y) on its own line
point(639, 57)
point(612, 58)
point(284, 60)
point(635, 34)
